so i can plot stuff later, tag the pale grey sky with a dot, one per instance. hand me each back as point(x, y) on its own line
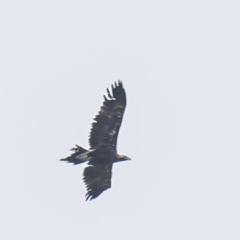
point(179, 62)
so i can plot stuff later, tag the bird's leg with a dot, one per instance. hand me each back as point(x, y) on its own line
point(75, 149)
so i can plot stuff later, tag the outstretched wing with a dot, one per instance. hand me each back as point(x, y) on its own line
point(107, 122)
point(97, 179)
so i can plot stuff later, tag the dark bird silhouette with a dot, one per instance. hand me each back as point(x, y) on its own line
point(103, 143)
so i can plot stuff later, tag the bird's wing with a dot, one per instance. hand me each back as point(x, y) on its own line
point(107, 122)
point(97, 179)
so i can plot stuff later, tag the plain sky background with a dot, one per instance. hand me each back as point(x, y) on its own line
point(179, 62)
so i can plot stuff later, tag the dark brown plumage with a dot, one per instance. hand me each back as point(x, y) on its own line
point(103, 140)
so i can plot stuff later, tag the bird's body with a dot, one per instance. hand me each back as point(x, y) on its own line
point(103, 140)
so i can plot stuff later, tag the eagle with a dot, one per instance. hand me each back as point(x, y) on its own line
point(102, 153)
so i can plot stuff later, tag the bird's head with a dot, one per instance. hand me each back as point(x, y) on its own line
point(120, 158)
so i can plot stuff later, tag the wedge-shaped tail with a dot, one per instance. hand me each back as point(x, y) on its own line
point(73, 157)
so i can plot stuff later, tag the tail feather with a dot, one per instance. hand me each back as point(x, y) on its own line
point(73, 157)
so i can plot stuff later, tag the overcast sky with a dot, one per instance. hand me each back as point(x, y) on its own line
point(179, 62)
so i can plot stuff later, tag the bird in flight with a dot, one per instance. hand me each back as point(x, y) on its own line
point(103, 143)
